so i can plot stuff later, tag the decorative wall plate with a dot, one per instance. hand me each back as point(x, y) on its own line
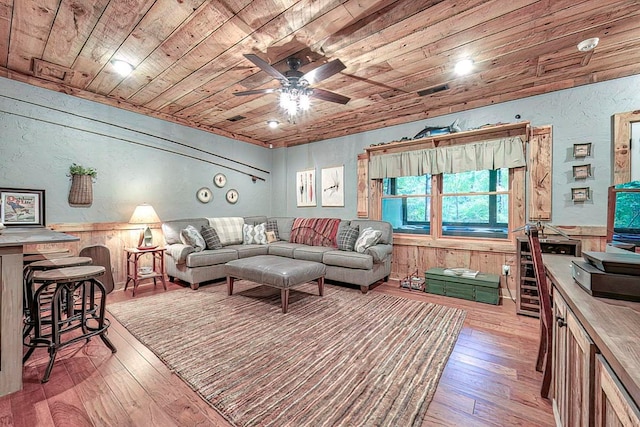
point(204, 195)
point(232, 196)
point(220, 180)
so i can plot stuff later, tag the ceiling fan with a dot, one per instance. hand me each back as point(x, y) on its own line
point(295, 85)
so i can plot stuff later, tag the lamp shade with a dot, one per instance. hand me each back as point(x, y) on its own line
point(144, 214)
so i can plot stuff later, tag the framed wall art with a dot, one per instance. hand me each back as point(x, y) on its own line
point(580, 194)
point(306, 188)
point(582, 171)
point(21, 207)
point(333, 186)
point(582, 150)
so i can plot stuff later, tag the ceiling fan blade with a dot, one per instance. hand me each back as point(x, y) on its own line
point(325, 95)
point(255, 92)
point(265, 66)
point(324, 71)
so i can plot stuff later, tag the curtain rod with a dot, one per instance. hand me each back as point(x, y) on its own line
point(140, 132)
point(254, 177)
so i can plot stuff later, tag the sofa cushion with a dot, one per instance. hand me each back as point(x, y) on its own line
point(315, 231)
point(255, 220)
point(171, 229)
point(272, 225)
point(246, 251)
point(384, 226)
point(210, 236)
point(284, 227)
point(347, 238)
point(311, 253)
point(348, 259)
point(209, 257)
point(284, 249)
point(254, 234)
point(179, 252)
point(229, 229)
point(368, 237)
point(190, 236)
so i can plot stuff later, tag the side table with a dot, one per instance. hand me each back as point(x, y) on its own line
point(133, 269)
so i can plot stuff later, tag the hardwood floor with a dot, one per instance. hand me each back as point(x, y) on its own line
point(489, 380)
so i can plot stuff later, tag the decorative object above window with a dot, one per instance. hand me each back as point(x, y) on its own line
point(489, 154)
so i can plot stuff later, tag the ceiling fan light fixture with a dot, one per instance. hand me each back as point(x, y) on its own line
point(588, 44)
point(122, 67)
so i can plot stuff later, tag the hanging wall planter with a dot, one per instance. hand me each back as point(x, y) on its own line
point(81, 192)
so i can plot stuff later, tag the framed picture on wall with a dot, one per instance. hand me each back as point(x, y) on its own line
point(580, 194)
point(582, 150)
point(21, 208)
point(581, 171)
point(306, 188)
point(333, 186)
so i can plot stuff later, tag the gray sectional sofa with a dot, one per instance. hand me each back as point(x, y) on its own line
point(361, 269)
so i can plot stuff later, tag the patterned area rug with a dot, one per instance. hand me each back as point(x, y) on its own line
point(345, 359)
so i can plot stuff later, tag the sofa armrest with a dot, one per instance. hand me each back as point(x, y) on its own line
point(379, 252)
point(179, 252)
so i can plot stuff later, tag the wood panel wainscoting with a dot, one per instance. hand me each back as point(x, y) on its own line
point(114, 235)
point(413, 252)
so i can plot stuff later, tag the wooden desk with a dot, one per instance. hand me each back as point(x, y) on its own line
point(12, 241)
point(612, 325)
point(133, 273)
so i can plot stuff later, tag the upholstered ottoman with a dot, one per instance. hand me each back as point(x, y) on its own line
point(275, 271)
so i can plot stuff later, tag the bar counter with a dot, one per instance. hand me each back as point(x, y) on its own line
point(613, 325)
point(12, 241)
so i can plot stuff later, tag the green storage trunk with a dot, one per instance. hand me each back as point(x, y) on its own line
point(482, 288)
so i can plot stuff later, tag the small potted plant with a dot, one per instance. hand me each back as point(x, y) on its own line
point(81, 192)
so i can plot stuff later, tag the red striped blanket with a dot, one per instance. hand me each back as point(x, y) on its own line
point(315, 231)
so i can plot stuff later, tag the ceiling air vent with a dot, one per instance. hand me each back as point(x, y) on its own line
point(432, 90)
point(236, 118)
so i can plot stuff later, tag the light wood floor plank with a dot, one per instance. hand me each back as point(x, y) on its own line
point(489, 380)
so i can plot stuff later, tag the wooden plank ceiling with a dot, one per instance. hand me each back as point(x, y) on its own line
point(188, 56)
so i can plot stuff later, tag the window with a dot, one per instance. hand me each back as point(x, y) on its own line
point(406, 203)
point(473, 204)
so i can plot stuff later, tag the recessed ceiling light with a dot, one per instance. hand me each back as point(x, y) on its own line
point(464, 67)
point(273, 123)
point(122, 67)
point(588, 44)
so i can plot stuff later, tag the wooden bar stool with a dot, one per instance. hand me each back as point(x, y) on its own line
point(43, 254)
point(77, 304)
point(47, 264)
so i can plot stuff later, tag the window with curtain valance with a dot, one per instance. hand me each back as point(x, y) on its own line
point(489, 154)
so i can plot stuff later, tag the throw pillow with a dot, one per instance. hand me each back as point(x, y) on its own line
point(347, 238)
point(229, 229)
point(210, 236)
point(272, 225)
point(190, 236)
point(368, 237)
point(254, 234)
point(271, 237)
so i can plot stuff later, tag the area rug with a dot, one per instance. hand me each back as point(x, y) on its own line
point(345, 359)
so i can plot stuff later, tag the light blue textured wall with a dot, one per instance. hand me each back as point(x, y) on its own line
point(37, 154)
point(43, 132)
point(581, 114)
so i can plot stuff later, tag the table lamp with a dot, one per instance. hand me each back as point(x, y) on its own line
point(144, 214)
